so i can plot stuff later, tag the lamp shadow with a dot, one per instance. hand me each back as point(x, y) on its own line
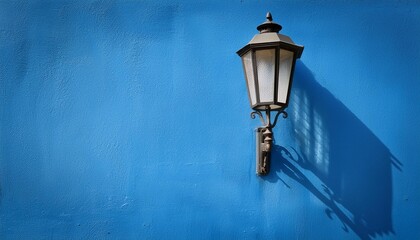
point(337, 158)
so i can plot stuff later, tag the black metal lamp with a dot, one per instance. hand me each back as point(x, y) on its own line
point(268, 60)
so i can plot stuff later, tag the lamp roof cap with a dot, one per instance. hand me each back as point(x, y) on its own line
point(269, 25)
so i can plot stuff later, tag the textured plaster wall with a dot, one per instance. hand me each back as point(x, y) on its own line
point(130, 120)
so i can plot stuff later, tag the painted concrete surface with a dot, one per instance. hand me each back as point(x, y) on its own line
point(130, 120)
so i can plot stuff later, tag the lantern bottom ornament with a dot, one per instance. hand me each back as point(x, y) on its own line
point(264, 140)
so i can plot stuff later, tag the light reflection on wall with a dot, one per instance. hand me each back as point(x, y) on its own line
point(308, 126)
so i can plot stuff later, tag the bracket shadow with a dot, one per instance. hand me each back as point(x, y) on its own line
point(353, 165)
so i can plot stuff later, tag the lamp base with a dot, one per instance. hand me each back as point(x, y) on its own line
point(263, 153)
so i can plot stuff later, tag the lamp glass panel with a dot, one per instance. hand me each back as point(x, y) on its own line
point(266, 61)
point(285, 70)
point(249, 75)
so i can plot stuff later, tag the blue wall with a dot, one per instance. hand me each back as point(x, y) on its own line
point(130, 120)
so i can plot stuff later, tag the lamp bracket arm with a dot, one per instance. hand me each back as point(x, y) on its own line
point(284, 113)
point(257, 112)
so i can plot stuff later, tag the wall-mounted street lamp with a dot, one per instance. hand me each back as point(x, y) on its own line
point(268, 61)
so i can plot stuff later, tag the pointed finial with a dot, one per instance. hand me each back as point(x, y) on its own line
point(269, 17)
point(269, 25)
